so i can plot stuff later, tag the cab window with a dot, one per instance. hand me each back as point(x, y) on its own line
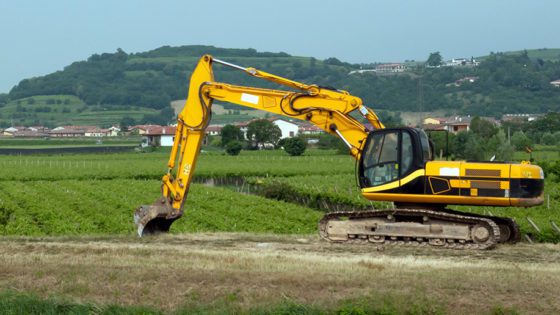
point(426, 151)
point(407, 154)
point(380, 163)
point(388, 156)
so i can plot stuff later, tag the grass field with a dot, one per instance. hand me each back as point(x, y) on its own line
point(273, 274)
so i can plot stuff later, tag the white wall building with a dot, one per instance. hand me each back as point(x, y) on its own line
point(159, 136)
point(289, 129)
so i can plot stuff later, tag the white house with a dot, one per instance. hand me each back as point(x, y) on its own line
point(214, 130)
point(391, 68)
point(113, 131)
point(95, 132)
point(289, 129)
point(159, 136)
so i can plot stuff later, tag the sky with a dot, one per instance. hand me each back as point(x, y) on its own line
point(40, 37)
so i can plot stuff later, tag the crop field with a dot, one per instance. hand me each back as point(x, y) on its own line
point(247, 243)
point(320, 182)
point(66, 110)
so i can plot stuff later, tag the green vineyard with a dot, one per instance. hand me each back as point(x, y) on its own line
point(97, 194)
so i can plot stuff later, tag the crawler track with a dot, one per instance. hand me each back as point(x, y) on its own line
point(417, 227)
point(509, 230)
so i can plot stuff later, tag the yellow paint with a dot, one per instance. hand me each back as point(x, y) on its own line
point(395, 184)
point(442, 199)
point(460, 183)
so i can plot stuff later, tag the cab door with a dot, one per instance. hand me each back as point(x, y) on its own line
point(380, 159)
point(388, 156)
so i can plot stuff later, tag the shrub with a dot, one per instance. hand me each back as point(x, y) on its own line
point(294, 146)
point(234, 147)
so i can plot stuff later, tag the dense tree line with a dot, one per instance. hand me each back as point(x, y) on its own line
point(504, 84)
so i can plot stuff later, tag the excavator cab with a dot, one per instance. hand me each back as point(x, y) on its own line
point(390, 155)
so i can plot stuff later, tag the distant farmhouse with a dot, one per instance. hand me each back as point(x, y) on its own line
point(384, 68)
point(391, 68)
point(461, 62)
point(60, 132)
point(453, 124)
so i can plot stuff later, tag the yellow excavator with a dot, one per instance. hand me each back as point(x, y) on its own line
point(394, 164)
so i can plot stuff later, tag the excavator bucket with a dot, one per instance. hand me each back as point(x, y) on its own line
point(155, 218)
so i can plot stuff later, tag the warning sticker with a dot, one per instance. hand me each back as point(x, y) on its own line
point(250, 98)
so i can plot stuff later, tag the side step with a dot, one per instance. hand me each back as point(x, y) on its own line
point(410, 227)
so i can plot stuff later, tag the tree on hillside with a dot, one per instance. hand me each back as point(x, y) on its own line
point(263, 131)
point(460, 144)
point(549, 123)
point(498, 146)
point(434, 59)
point(475, 148)
point(231, 133)
point(3, 99)
point(126, 122)
point(520, 140)
point(483, 128)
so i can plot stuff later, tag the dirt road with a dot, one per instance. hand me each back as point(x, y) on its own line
point(245, 270)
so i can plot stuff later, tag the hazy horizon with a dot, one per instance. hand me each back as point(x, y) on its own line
point(41, 37)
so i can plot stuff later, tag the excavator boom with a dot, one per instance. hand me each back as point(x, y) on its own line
point(329, 109)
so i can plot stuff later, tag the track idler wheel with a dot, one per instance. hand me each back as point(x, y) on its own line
point(155, 218)
point(481, 233)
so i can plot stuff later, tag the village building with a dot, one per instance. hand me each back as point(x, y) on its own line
point(433, 121)
point(461, 62)
point(65, 133)
point(214, 130)
point(309, 129)
point(141, 129)
point(96, 132)
point(10, 131)
point(464, 80)
point(391, 68)
point(458, 124)
point(113, 131)
point(159, 136)
point(289, 129)
point(19, 131)
point(30, 134)
point(555, 83)
point(521, 117)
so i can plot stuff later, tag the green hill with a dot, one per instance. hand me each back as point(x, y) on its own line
point(545, 54)
point(108, 87)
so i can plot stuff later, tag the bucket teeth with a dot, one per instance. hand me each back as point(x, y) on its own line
point(154, 219)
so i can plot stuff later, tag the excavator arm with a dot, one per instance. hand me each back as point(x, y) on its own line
point(326, 108)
